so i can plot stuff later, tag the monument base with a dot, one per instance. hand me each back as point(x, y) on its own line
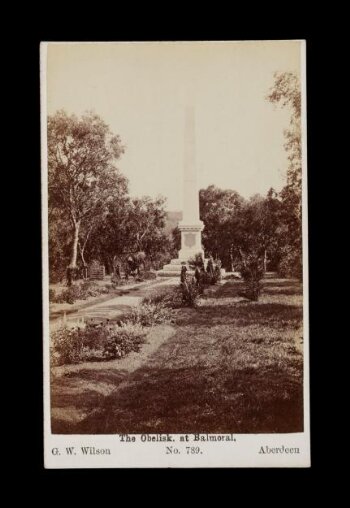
point(191, 241)
point(173, 269)
point(191, 246)
point(186, 254)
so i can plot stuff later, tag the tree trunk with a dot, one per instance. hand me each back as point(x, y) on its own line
point(73, 261)
point(82, 250)
point(85, 266)
point(82, 255)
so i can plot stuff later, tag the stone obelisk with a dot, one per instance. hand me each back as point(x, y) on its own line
point(190, 226)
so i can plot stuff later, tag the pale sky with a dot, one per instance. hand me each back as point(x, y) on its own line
point(141, 89)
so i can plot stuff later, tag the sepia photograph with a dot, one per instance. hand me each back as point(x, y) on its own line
point(174, 245)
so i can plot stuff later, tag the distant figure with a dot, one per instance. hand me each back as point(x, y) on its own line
point(116, 276)
point(210, 266)
point(135, 262)
point(197, 275)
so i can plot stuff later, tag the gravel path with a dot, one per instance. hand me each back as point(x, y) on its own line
point(110, 307)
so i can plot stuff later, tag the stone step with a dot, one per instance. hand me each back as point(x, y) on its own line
point(171, 273)
point(172, 268)
point(176, 262)
point(270, 275)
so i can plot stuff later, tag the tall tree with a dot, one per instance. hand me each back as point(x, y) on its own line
point(257, 227)
point(219, 209)
point(83, 177)
point(286, 92)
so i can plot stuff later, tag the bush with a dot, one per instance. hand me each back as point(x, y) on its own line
point(196, 261)
point(52, 295)
point(78, 344)
point(152, 311)
point(95, 342)
point(69, 295)
point(252, 271)
point(169, 299)
point(190, 291)
point(205, 279)
point(125, 338)
point(66, 346)
point(216, 275)
point(96, 335)
point(291, 263)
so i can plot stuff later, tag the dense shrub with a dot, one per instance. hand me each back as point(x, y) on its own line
point(69, 295)
point(201, 277)
point(252, 271)
point(206, 278)
point(170, 299)
point(96, 335)
point(190, 291)
point(125, 338)
point(152, 310)
point(197, 260)
point(93, 342)
point(291, 263)
point(148, 275)
point(67, 346)
point(216, 277)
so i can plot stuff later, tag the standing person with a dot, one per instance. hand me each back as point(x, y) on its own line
point(197, 275)
point(116, 269)
point(210, 266)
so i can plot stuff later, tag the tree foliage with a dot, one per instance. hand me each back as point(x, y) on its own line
point(82, 175)
point(219, 210)
point(130, 226)
point(286, 93)
point(235, 227)
point(91, 215)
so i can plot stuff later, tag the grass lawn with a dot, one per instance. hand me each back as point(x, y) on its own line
point(230, 366)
